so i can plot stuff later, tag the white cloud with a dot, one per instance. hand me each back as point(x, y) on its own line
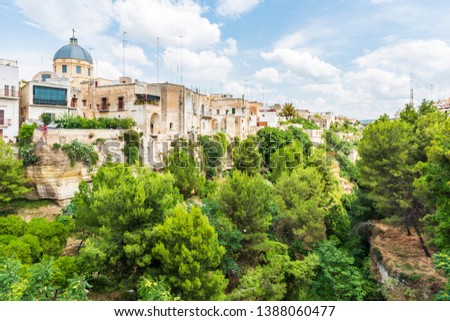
point(199, 66)
point(293, 40)
point(232, 49)
point(380, 1)
point(147, 20)
point(270, 75)
point(59, 17)
point(303, 64)
point(235, 8)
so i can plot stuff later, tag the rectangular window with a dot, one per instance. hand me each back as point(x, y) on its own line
point(226, 112)
point(73, 103)
point(104, 103)
point(218, 111)
point(194, 109)
point(2, 117)
point(120, 103)
point(203, 125)
point(13, 91)
point(89, 72)
point(6, 90)
point(78, 69)
point(233, 111)
point(64, 69)
point(44, 77)
point(171, 126)
point(49, 96)
point(203, 109)
point(84, 102)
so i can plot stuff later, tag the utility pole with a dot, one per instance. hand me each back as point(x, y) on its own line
point(157, 60)
point(123, 54)
point(181, 66)
point(411, 90)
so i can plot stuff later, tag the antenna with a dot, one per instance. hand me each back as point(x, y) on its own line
point(411, 90)
point(123, 54)
point(157, 59)
point(181, 67)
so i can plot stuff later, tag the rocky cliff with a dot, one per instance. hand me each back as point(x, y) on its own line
point(53, 177)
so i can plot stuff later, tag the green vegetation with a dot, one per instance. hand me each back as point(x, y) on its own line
point(79, 152)
point(271, 217)
point(77, 122)
point(306, 124)
point(13, 181)
point(26, 147)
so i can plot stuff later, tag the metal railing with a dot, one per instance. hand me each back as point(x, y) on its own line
point(9, 93)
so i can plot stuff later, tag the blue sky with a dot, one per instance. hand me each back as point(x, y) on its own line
point(351, 57)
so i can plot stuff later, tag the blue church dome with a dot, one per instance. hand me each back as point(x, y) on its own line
point(73, 51)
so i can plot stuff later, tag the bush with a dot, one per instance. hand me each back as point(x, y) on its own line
point(46, 118)
point(78, 122)
point(79, 152)
point(56, 146)
point(26, 134)
point(27, 154)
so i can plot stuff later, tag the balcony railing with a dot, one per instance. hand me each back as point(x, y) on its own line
point(51, 102)
point(9, 93)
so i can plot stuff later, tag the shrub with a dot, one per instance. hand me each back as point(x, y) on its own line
point(56, 146)
point(46, 118)
point(27, 154)
point(26, 134)
point(78, 122)
point(79, 152)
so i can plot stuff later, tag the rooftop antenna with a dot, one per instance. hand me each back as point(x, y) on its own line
point(181, 67)
point(123, 54)
point(411, 90)
point(157, 59)
point(439, 91)
point(73, 32)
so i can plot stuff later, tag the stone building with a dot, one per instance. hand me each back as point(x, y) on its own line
point(9, 100)
point(45, 93)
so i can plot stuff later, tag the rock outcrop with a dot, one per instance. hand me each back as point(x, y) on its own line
point(53, 177)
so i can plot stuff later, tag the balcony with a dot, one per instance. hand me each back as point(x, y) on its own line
point(5, 122)
point(49, 102)
point(9, 93)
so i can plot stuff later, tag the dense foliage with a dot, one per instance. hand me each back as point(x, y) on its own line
point(264, 218)
point(69, 121)
point(12, 174)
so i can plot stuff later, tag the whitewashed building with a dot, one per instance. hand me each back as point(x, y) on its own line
point(9, 100)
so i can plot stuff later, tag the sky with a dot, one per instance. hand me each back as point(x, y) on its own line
point(357, 58)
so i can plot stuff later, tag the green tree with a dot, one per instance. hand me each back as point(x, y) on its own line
point(278, 278)
point(300, 196)
point(245, 200)
point(387, 168)
point(212, 154)
point(246, 157)
point(188, 177)
point(288, 111)
point(13, 181)
point(118, 210)
point(286, 159)
point(337, 278)
point(52, 235)
point(154, 290)
point(187, 248)
point(433, 187)
point(270, 140)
